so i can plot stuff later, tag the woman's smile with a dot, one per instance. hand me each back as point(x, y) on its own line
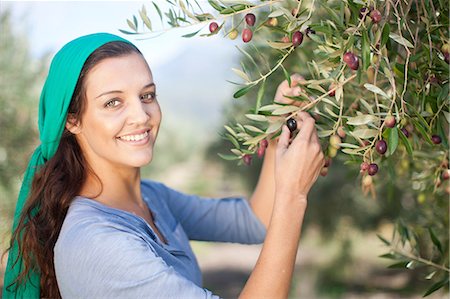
point(136, 138)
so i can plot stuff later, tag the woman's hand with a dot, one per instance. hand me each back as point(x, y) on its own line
point(282, 200)
point(298, 162)
point(284, 91)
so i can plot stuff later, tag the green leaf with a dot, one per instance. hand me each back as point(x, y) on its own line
point(376, 89)
point(324, 133)
point(385, 34)
point(397, 265)
point(404, 232)
point(435, 240)
point(145, 19)
point(388, 256)
point(253, 129)
point(362, 120)
point(351, 151)
point(442, 131)
point(422, 121)
point(229, 129)
point(269, 107)
point(365, 50)
point(273, 127)
point(411, 265)
point(392, 140)
point(349, 145)
point(366, 105)
point(249, 57)
point(384, 240)
point(321, 28)
point(186, 11)
point(437, 286)
point(204, 17)
point(279, 45)
point(285, 110)
point(131, 25)
point(443, 95)
point(233, 140)
point(260, 94)
point(191, 34)
point(241, 74)
point(232, 9)
point(135, 21)
point(127, 32)
point(215, 5)
point(401, 40)
point(330, 112)
point(365, 133)
point(277, 13)
point(286, 75)
point(430, 276)
point(329, 102)
point(256, 117)
point(331, 14)
point(158, 11)
point(228, 157)
point(255, 139)
point(406, 143)
point(242, 91)
point(237, 152)
point(419, 127)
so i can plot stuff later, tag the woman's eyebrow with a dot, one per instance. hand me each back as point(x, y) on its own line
point(149, 85)
point(119, 91)
point(108, 92)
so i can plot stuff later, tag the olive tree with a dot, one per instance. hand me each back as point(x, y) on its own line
point(376, 79)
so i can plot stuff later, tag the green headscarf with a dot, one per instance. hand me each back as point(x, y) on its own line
point(54, 102)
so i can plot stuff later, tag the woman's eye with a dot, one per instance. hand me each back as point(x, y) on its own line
point(148, 97)
point(112, 103)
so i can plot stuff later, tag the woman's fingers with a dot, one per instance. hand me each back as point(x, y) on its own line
point(306, 124)
point(296, 79)
point(284, 91)
point(283, 140)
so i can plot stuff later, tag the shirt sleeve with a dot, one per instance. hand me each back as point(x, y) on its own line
point(108, 263)
point(222, 220)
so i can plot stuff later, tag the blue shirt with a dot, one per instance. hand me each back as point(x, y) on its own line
point(102, 252)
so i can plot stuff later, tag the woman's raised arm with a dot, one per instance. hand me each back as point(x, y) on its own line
point(297, 166)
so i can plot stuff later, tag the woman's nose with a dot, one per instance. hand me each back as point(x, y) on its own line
point(137, 112)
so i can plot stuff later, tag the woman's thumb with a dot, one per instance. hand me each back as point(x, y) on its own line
point(283, 140)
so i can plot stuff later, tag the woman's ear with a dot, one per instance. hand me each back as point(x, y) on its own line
point(73, 124)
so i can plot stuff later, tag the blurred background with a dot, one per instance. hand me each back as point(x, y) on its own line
point(339, 251)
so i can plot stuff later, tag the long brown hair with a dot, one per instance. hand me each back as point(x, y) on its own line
point(55, 185)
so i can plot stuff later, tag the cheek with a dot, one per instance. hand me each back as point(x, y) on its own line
point(154, 110)
point(100, 128)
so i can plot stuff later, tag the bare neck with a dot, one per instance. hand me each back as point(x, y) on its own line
point(119, 188)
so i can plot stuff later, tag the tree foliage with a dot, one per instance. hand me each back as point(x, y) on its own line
point(20, 79)
point(377, 82)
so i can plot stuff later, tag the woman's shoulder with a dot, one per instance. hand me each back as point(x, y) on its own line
point(153, 186)
point(84, 218)
point(88, 221)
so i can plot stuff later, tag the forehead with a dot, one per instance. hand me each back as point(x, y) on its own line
point(118, 73)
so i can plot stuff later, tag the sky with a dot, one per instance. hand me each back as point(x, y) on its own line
point(190, 73)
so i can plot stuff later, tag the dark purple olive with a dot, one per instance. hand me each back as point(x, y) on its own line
point(381, 146)
point(291, 124)
point(373, 169)
point(297, 38)
point(436, 139)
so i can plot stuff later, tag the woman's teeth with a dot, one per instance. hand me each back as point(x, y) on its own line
point(134, 137)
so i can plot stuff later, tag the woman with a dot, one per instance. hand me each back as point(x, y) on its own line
point(91, 228)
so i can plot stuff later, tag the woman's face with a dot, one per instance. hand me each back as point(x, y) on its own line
point(121, 121)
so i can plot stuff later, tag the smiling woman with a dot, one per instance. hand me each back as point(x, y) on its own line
point(87, 225)
point(118, 129)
